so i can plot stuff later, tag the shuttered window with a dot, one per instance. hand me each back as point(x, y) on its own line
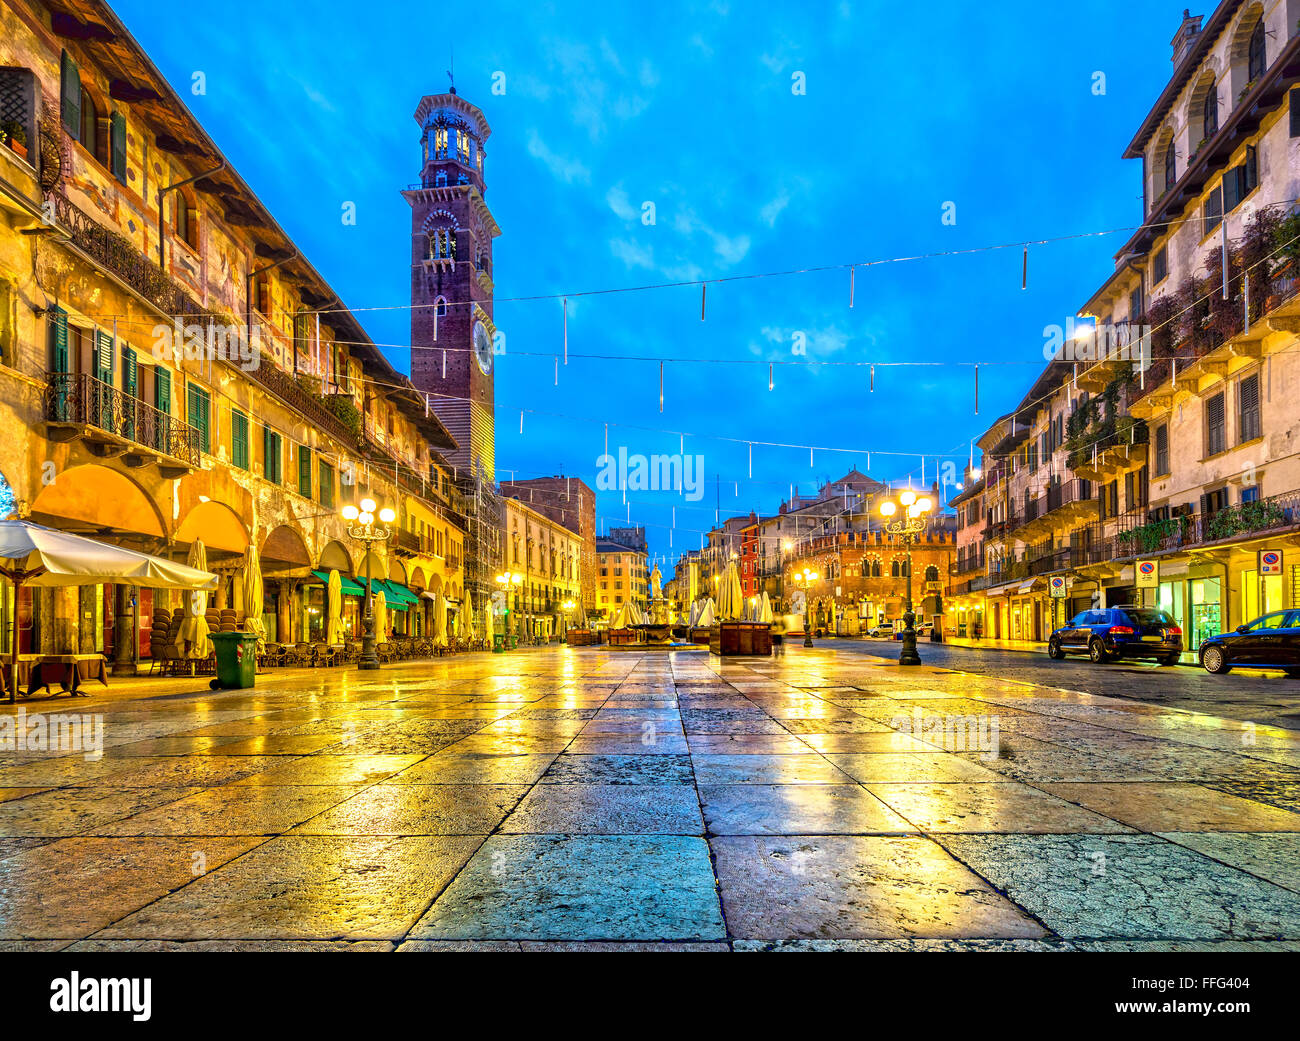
point(1215, 435)
point(58, 340)
point(104, 356)
point(1294, 104)
point(1159, 266)
point(238, 439)
point(130, 372)
point(272, 461)
point(1248, 426)
point(1213, 211)
point(1162, 449)
point(304, 471)
point(326, 485)
point(162, 390)
point(70, 92)
point(117, 146)
point(198, 412)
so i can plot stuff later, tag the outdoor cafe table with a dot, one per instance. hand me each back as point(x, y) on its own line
point(69, 671)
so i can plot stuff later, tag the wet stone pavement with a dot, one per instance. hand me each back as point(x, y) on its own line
point(581, 799)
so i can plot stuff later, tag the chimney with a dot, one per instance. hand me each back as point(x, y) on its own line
point(1186, 36)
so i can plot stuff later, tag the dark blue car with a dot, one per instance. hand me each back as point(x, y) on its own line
point(1271, 641)
point(1108, 633)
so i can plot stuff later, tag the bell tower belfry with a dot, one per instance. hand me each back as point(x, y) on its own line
point(452, 332)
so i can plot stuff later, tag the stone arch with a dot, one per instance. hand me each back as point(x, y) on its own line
point(1160, 161)
point(222, 530)
point(1206, 87)
point(378, 569)
point(1239, 49)
point(397, 571)
point(285, 550)
point(416, 579)
point(335, 557)
point(434, 584)
point(93, 499)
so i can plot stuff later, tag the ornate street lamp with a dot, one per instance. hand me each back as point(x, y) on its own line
point(804, 580)
point(911, 511)
point(507, 581)
point(362, 527)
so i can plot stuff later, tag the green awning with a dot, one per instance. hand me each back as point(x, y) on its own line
point(350, 586)
point(395, 591)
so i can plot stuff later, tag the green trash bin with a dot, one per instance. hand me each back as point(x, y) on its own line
point(236, 660)
point(498, 645)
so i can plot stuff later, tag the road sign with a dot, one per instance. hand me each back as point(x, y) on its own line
point(1270, 562)
point(1148, 574)
point(1056, 584)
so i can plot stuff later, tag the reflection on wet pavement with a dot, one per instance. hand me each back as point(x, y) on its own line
point(576, 799)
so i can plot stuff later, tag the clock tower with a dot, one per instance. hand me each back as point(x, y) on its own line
point(452, 334)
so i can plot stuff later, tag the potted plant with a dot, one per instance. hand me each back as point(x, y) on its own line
point(15, 136)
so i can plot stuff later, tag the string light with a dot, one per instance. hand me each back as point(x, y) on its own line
point(852, 272)
point(1024, 269)
point(566, 330)
point(704, 289)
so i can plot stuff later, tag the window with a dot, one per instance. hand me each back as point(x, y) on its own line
point(1213, 211)
point(70, 95)
point(104, 360)
point(1162, 449)
point(238, 439)
point(1210, 112)
point(1135, 312)
point(89, 135)
point(1159, 266)
point(1241, 180)
point(1250, 494)
point(1256, 61)
point(117, 146)
point(1171, 174)
point(1215, 439)
point(162, 391)
point(326, 485)
point(304, 471)
point(198, 406)
point(272, 461)
point(1248, 427)
point(1293, 102)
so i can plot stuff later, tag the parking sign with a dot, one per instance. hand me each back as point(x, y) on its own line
point(1270, 562)
point(1148, 574)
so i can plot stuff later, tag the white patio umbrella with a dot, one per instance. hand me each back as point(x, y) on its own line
point(253, 597)
point(471, 632)
point(194, 630)
point(440, 621)
point(731, 601)
point(334, 620)
point(635, 616)
point(764, 613)
point(31, 554)
point(381, 630)
point(707, 615)
point(619, 621)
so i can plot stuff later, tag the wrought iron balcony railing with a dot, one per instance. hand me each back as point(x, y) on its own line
point(86, 401)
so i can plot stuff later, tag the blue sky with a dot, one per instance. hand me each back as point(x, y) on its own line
point(606, 107)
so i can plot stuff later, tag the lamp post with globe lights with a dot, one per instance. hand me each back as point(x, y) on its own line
point(804, 580)
point(911, 511)
point(361, 520)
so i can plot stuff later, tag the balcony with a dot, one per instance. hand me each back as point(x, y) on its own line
point(407, 543)
point(1060, 506)
point(1111, 449)
point(1142, 535)
point(113, 423)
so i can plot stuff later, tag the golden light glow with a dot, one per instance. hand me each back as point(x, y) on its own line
point(366, 518)
point(350, 512)
point(387, 515)
point(888, 509)
point(368, 505)
point(907, 498)
point(924, 504)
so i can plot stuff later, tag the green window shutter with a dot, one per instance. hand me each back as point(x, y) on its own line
point(58, 339)
point(197, 413)
point(326, 485)
point(239, 439)
point(162, 391)
point(117, 146)
point(104, 356)
point(271, 455)
point(70, 89)
point(130, 372)
point(304, 471)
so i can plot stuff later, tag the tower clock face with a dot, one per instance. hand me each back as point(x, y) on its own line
point(482, 348)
